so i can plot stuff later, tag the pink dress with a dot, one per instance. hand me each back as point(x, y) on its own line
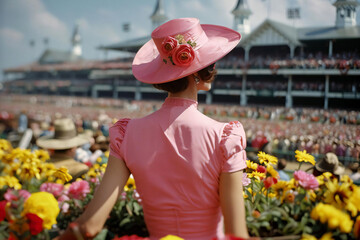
point(176, 156)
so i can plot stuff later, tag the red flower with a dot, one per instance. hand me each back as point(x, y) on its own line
point(2, 210)
point(35, 223)
point(261, 169)
point(183, 55)
point(168, 45)
point(269, 181)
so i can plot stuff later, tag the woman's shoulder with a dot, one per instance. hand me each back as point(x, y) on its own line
point(119, 127)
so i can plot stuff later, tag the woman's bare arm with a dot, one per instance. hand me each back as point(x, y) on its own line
point(232, 204)
point(92, 220)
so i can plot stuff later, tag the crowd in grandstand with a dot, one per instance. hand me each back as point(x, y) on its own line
point(317, 131)
point(342, 61)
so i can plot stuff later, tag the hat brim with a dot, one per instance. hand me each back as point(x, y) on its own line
point(339, 170)
point(149, 67)
point(61, 144)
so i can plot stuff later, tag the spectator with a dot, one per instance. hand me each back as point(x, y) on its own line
point(64, 144)
point(23, 122)
point(355, 175)
point(330, 163)
point(280, 168)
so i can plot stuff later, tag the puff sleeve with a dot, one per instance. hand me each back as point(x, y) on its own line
point(117, 134)
point(232, 147)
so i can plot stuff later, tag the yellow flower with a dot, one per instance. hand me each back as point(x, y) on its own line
point(171, 237)
point(327, 236)
point(10, 181)
point(42, 155)
point(28, 170)
point(130, 185)
point(334, 217)
point(346, 179)
point(337, 195)
point(308, 237)
point(270, 169)
point(47, 169)
point(312, 195)
point(63, 174)
point(266, 158)
point(91, 173)
point(5, 145)
point(303, 156)
point(44, 205)
point(107, 154)
point(257, 175)
point(251, 165)
point(292, 184)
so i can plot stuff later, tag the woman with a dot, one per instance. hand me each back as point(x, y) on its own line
point(187, 167)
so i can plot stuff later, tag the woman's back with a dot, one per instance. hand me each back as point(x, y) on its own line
point(176, 156)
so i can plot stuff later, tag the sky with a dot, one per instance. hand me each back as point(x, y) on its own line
point(101, 21)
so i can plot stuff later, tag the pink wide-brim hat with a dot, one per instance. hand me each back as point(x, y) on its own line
point(212, 43)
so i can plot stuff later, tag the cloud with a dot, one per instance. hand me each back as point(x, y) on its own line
point(23, 21)
point(11, 36)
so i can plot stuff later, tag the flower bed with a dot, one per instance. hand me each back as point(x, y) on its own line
point(313, 208)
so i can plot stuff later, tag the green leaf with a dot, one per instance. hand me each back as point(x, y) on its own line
point(101, 235)
point(137, 208)
point(124, 222)
point(129, 209)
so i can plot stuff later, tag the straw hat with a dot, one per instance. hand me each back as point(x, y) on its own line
point(330, 163)
point(65, 136)
point(181, 47)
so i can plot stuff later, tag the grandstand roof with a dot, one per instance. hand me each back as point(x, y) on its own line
point(323, 33)
point(278, 34)
point(71, 66)
point(51, 56)
point(131, 45)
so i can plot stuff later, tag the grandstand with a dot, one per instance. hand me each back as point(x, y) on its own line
point(275, 64)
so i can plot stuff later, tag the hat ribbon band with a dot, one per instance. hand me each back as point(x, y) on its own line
point(65, 134)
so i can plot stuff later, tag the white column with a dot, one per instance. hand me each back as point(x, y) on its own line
point(208, 98)
point(94, 92)
point(247, 50)
point(326, 93)
point(289, 102)
point(243, 100)
point(138, 95)
point(292, 50)
point(330, 48)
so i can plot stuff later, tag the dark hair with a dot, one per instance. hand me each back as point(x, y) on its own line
point(206, 74)
point(281, 163)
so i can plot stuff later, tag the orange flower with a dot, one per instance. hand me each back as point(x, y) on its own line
point(289, 197)
point(256, 214)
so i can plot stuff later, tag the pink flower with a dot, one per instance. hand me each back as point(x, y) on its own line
point(183, 55)
point(168, 45)
point(53, 188)
point(65, 207)
point(79, 189)
point(63, 198)
point(245, 180)
point(12, 196)
point(306, 180)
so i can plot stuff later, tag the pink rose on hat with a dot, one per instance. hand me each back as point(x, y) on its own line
point(168, 45)
point(183, 55)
